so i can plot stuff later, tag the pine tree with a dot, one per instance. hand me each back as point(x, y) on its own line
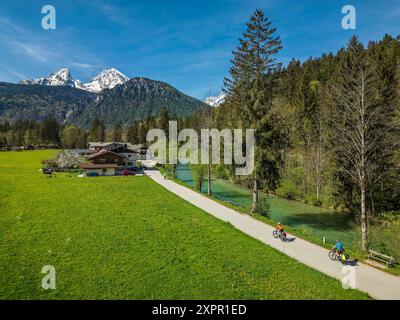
point(117, 133)
point(49, 132)
point(249, 90)
point(98, 130)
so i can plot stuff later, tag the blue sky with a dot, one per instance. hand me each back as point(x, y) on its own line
point(185, 43)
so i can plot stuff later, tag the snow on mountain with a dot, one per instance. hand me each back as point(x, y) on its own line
point(216, 101)
point(60, 78)
point(107, 79)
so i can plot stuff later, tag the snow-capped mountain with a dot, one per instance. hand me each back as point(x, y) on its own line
point(216, 101)
point(60, 78)
point(107, 79)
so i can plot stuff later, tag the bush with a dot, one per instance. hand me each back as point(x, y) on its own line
point(312, 199)
point(383, 248)
point(263, 207)
point(220, 172)
point(288, 190)
point(317, 202)
point(389, 216)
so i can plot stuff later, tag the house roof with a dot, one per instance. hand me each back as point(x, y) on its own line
point(115, 144)
point(102, 152)
point(97, 166)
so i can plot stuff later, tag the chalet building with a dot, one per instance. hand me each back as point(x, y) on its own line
point(131, 151)
point(112, 158)
point(104, 156)
point(104, 163)
point(113, 145)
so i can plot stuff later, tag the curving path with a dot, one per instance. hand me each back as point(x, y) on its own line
point(376, 283)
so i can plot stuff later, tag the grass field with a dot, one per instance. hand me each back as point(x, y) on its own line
point(128, 238)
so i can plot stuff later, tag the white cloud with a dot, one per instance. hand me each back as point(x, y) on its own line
point(33, 51)
point(85, 66)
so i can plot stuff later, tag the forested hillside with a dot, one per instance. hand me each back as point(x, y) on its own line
point(135, 100)
point(37, 102)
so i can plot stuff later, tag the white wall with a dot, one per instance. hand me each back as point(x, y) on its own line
point(132, 158)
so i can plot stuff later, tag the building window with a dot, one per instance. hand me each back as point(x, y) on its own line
point(102, 160)
point(104, 170)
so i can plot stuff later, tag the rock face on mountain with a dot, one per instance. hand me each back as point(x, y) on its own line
point(60, 96)
point(216, 101)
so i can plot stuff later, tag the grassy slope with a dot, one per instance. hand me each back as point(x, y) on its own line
point(127, 237)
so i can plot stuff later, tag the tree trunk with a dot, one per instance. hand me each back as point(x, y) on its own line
point(363, 218)
point(209, 178)
point(318, 170)
point(255, 194)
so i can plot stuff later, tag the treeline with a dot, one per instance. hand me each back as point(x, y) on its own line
point(50, 133)
point(47, 133)
point(327, 130)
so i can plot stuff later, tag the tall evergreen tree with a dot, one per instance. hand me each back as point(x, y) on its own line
point(98, 130)
point(49, 131)
point(249, 90)
point(117, 133)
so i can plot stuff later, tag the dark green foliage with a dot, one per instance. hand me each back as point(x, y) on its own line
point(263, 207)
point(250, 96)
point(97, 130)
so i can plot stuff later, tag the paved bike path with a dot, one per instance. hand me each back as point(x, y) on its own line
point(376, 283)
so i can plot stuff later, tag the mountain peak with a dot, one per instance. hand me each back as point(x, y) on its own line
point(106, 79)
point(60, 78)
point(216, 101)
point(63, 71)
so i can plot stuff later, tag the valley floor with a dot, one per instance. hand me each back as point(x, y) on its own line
point(130, 238)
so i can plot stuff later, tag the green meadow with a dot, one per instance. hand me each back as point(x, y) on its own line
point(128, 238)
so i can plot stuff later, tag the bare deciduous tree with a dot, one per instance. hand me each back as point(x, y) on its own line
point(360, 125)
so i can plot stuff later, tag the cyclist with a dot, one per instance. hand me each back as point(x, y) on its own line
point(280, 229)
point(339, 248)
